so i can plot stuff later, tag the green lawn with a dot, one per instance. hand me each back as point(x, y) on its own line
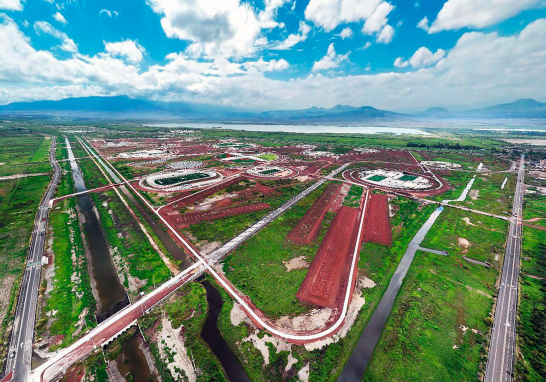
point(268, 157)
point(257, 268)
point(532, 310)
point(425, 334)
point(376, 262)
point(534, 206)
point(486, 194)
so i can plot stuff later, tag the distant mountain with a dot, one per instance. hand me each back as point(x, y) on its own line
point(123, 107)
point(436, 110)
point(117, 106)
point(521, 108)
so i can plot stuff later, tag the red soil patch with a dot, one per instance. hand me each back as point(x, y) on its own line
point(377, 224)
point(197, 217)
point(326, 281)
point(265, 190)
point(75, 375)
point(307, 228)
point(535, 226)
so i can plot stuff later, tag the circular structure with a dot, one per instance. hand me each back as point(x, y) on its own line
point(392, 179)
point(180, 180)
point(184, 165)
point(270, 172)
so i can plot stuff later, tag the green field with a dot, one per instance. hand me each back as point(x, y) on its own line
point(376, 262)
point(376, 178)
point(407, 178)
point(486, 194)
point(181, 178)
point(534, 207)
point(268, 157)
point(353, 196)
point(257, 269)
point(441, 317)
point(532, 311)
point(226, 228)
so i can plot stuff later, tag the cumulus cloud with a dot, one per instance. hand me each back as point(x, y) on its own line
point(477, 14)
point(346, 33)
point(498, 68)
point(294, 38)
point(67, 44)
point(330, 13)
point(378, 18)
point(331, 60)
point(60, 18)
point(421, 58)
point(423, 24)
point(268, 15)
point(227, 28)
point(11, 5)
point(130, 50)
point(386, 35)
point(267, 66)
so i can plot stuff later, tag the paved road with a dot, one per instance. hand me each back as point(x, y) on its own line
point(22, 335)
point(500, 363)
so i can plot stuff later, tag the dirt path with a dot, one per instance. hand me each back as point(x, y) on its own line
point(17, 176)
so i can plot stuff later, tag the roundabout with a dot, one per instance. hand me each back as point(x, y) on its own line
point(393, 180)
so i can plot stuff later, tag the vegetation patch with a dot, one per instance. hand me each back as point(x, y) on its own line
point(352, 199)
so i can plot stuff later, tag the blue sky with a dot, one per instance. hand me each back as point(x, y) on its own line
point(269, 54)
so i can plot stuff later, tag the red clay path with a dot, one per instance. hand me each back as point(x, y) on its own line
point(377, 224)
point(307, 228)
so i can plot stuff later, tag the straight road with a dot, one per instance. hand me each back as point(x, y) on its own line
point(22, 334)
point(502, 348)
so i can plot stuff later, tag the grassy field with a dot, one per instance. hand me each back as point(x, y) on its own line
point(69, 308)
point(457, 181)
point(532, 310)
point(534, 206)
point(486, 194)
point(257, 268)
point(353, 196)
point(142, 266)
point(226, 228)
point(24, 149)
point(441, 316)
point(376, 262)
point(187, 307)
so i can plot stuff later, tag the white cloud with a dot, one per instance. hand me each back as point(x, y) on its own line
point(346, 33)
point(480, 66)
point(129, 49)
point(421, 58)
point(400, 63)
point(330, 13)
point(423, 24)
point(378, 19)
point(60, 18)
point(67, 44)
point(11, 5)
point(268, 15)
point(227, 28)
point(108, 13)
point(477, 14)
point(365, 46)
point(294, 38)
point(267, 66)
point(386, 35)
point(331, 60)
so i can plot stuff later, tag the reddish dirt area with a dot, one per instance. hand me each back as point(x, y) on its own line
point(377, 224)
point(75, 375)
point(392, 156)
point(197, 217)
point(535, 226)
point(307, 228)
point(326, 281)
point(203, 194)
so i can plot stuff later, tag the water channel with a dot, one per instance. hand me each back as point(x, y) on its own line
point(111, 294)
point(355, 367)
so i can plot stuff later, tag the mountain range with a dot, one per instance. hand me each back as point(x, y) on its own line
point(123, 107)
